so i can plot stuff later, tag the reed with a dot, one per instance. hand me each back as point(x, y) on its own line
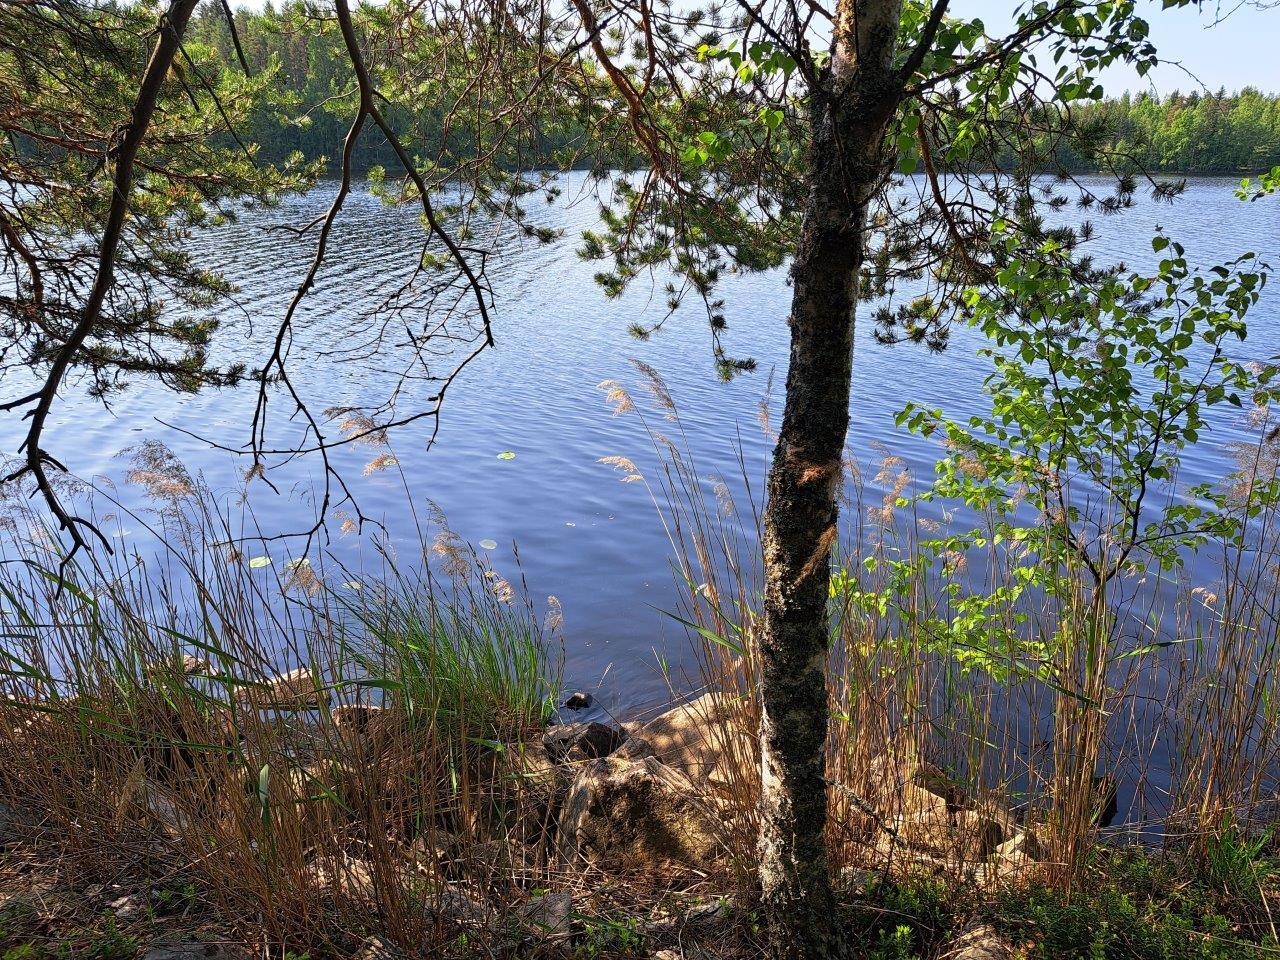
point(326, 756)
point(322, 765)
point(1146, 714)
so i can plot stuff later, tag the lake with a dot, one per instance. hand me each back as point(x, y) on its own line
point(584, 537)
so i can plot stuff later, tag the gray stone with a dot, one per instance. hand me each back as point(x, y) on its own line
point(294, 690)
point(549, 912)
point(708, 740)
point(578, 700)
point(979, 941)
point(581, 741)
point(375, 948)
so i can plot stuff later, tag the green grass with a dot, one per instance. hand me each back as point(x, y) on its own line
point(468, 659)
point(1131, 904)
point(1137, 905)
point(103, 942)
point(903, 921)
point(1238, 864)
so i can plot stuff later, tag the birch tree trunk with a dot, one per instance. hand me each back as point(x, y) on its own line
point(850, 109)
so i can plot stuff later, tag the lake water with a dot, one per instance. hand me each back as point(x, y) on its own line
point(593, 542)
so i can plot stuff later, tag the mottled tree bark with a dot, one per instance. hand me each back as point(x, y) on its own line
point(850, 108)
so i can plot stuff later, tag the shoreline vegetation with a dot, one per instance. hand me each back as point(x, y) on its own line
point(1019, 730)
point(208, 756)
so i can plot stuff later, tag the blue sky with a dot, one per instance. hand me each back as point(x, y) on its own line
point(1243, 50)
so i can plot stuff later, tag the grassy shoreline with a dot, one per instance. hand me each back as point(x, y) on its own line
point(308, 763)
point(402, 790)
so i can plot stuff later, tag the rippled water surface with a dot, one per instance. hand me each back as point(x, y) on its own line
point(593, 542)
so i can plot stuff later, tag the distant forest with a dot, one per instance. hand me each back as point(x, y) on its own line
point(1194, 133)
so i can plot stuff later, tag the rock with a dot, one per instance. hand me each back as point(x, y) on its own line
point(579, 700)
point(705, 739)
point(857, 879)
point(667, 955)
point(636, 815)
point(918, 818)
point(673, 921)
point(456, 906)
point(934, 815)
point(195, 950)
point(918, 783)
point(537, 784)
point(977, 836)
point(929, 834)
point(549, 912)
point(1017, 853)
point(127, 906)
point(929, 823)
point(357, 718)
point(160, 805)
point(375, 948)
point(1016, 859)
point(294, 690)
point(188, 665)
point(525, 764)
point(581, 741)
point(918, 803)
point(363, 726)
point(1106, 793)
point(714, 911)
point(979, 941)
point(342, 874)
point(933, 778)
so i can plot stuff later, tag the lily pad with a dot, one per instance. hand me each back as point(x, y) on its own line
point(297, 562)
point(257, 563)
point(489, 544)
point(507, 455)
point(354, 585)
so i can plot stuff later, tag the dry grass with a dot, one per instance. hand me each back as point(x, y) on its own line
point(385, 788)
point(1165, 697)
point(313, 760)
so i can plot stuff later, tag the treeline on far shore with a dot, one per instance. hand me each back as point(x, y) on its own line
point(1207, 133)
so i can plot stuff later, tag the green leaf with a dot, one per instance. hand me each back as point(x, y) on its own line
point(908, 160)
point(717, 639)
point(264, 794)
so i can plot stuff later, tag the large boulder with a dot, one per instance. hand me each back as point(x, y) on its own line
point(296, 689)
point(636, 815)
point(927, 817)
point(708, 739)
point(344, 875)
point(581, 741)
point(979, 941)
